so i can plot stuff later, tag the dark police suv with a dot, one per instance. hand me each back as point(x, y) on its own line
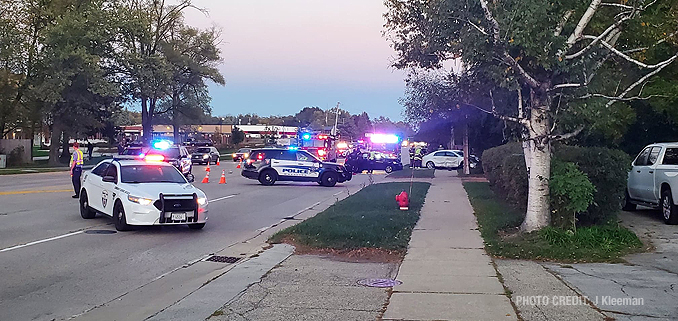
point(271, 164)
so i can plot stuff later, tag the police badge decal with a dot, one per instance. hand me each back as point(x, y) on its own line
point(104, 198)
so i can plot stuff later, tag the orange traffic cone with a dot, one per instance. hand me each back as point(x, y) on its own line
point(207, 178)
point(208, 168)
point(222, 180)
point(218, 163)
point(238, 165)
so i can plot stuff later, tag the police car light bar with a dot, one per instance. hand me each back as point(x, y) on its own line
point(384, 139)
point(293, 148)
point(154, 158)
point(162, 144)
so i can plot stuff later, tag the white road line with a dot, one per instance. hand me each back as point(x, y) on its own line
point(335, 194)
point(223, 198)
point(40, 241)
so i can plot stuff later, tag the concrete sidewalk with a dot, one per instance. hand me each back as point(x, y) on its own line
point(446, 273)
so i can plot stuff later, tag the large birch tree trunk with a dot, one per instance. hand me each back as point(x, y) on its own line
point(538, 158)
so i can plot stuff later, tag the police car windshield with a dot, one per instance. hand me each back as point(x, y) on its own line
point(170, 153)
point(203, 150)
point(131, 151)
point(150, 174)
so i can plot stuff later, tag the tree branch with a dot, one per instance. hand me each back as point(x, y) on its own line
point(607, 31)
point(616, 98)
point(506, 58)
point(629, 59)
point(563, 21)
point(568, 135)
point(643, 79)
point(583, 22)
point(619, 5)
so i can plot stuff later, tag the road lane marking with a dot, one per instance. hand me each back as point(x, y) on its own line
point(223, 198)
point(38, 191)
point(40, 241)
point(335, 194)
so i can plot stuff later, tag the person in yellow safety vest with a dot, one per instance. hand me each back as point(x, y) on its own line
point(76, 168)
point(417, 157)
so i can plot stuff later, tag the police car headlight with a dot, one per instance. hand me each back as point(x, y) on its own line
point(139, 200)
point(205, 156)
point(202, 201)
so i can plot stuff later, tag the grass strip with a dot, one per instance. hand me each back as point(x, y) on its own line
point(499, 222)
point(418, 173)
point(367, 219)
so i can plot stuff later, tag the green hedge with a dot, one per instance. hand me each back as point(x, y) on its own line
point(606, 168)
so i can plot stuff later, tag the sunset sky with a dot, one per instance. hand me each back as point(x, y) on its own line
point(280, 56)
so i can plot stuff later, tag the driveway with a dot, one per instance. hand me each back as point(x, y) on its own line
point(645, 288)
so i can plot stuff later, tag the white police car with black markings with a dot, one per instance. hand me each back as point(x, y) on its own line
point(135, 192)
point(272, 164)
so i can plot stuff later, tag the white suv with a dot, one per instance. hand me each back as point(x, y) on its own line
point(653, 180)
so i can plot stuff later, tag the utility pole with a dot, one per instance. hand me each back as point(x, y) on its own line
point(336, 120)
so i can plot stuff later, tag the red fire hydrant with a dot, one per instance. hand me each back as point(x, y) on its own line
point(403, 201)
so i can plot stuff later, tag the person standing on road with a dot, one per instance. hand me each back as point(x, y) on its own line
point(90, 149)
point(76, 168)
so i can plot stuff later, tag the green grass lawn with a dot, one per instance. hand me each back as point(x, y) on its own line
point(498, 223)
point(418, 173)
point(367, 219)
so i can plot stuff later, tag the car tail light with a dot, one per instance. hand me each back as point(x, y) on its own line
point(260, 157)
point(154, 158)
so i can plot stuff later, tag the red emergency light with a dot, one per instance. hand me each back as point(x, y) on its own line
point(321, 136)
point(322, 152)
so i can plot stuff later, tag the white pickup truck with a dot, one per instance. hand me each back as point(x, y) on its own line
point(653, 181)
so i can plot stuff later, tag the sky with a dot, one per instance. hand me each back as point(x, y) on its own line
point(281, 56)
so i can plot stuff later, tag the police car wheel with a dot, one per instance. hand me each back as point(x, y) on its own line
point(119, 218)
point(430, 165)
point(196, 226)
point(268, 177)
point(329, 179)
point(85, 211)
point(388, 169)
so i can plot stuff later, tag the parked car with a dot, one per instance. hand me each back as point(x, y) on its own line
point(653, 180)
point(242, 154)
point(450, 159)
point(205, 155)
point(370, 161)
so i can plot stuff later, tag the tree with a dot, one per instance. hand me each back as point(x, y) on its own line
point(77, 92)
point(237, 135)
point(193, 56)
point(146, 71)
point(566, 63)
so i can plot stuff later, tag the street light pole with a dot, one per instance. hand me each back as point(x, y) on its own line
point(336, 120)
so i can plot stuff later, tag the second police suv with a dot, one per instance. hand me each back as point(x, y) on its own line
point(275, 164)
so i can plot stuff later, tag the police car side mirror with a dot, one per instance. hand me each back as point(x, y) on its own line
point(109, 179)
point(190, 178)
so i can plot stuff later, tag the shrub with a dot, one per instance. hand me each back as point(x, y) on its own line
point(16, 156)
point(571, 194)
point(608, 170)
point(605, 168)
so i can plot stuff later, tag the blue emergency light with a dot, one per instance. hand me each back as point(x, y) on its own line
point(162, 144)
point(306, 136)
point(293, 148)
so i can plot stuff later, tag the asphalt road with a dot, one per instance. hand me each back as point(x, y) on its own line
point(53, 265)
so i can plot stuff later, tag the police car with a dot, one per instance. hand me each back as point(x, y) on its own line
point(135, 192)
point(271, 165)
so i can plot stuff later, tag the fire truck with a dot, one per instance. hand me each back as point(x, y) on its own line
point(318, 144)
